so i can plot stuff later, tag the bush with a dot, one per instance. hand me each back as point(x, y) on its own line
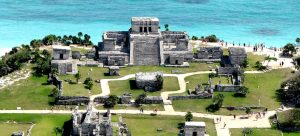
point(217, 103)
point(211, 38)
point(140, 99)
point(111, 101)
point(194, 38)
point(188, 116)
point(88, 79)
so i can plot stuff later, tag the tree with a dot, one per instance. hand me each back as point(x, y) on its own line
point(269, 59)
point(167, 27)
point(242, 92)
point(89, 85)
point(36, 43)
point(77, 76)
point(217, 103)
point(188, 116)
point(49, 39)
point(79, 37)
point(111, 101)
point(259, 66)
point(87, 80)
point(140, 99)
point(298, 40)
point(194, 38)
point(211, 38)
point(245, 63)
point(43, 63)
point(291, 90)
point(87, 39)
point(289, 49)
point(58, 130)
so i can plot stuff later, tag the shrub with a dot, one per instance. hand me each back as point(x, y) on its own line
point(111, 101)
point(188, 116)
point(87, 80)
point(194, 38)
point(211, 38)
point(140, 99)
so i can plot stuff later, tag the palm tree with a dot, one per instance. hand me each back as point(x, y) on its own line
point(298, 40)
point(77, 76)
point(79, 36)
point(289, 49)
point(167, 27)
point(86, 39)
point(188, 116)
point(270, 59)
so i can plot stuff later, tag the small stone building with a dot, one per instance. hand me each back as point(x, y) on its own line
point(194, 129)
point(209, 53)
point(113, 70)
point(76, 55)
point(18, 133)
point(152, 81)
point(91, 123)
point(62, 60)
point(237, 55)
point(176, 59)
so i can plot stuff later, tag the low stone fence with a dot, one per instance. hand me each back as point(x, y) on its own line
point(228, 88)
point(201, 96)
point(206, 60)
point(72, 100)
point(153, 100)
point(101, 99)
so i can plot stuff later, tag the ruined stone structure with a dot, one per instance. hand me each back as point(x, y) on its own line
point(76, 55)
point(91, 123)
point(237, 56)
point(209, 53)
point(19, 133)
point(113, 70)
point(62, 60)
point(194, 129)
point(144, 44)
point(152, 81)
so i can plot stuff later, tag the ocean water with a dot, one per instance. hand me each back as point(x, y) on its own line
point(273, 22)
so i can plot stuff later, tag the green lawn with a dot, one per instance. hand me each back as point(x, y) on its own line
point(291, 133)
point(31, 93)
point(145, 125)
point(252, 59)
point(256, 132)
point(261, 86)
point(45, 123)
point(81, 50)
point(7, 129)
point(120, 87)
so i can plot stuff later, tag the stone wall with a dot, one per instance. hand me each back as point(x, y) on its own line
point(209, 53)
point(76, 55)
point(185, 97)
point(61, 54)
point(229, 70)
point(153, 100)
point(228, 88)
point(72, 100)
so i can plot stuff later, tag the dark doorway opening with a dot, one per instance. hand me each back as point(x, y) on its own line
point(194, 133)
point(61, 56)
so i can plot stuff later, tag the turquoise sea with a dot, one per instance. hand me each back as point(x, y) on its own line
point(274, 22)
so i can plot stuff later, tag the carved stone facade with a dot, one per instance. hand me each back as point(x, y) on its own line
point(194, 129)
point(62, 60)
point(113, 71)
point(151, 81)
point(144, 44)
point(91, 123)
point(209, 53)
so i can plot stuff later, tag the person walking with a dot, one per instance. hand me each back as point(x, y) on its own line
point(224, 125)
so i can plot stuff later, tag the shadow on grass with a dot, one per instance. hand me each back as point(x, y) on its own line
point(240, 95)
point(67, 128)
point(132, 84)
point(212, 108)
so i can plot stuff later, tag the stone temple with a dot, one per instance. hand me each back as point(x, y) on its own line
point(62, 60)
point(144, 44)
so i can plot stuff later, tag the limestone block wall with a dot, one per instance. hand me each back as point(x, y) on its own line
point(71, 100)
point(194, 131)
point(200, 96)
point(228, 88)
point(145, 50)
point(153, 100)
point(61, 54)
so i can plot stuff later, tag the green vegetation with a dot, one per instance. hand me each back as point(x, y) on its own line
point(289, 49)
point(262, 87)
point(188, 116)
point(211, 38)
point(252, 59)
point(81, 50)
point(290, 95)
point(121, 87)
point(148, 125)
point(290, 118)
point(7, 129)
point(45, 123)
point(111, 101)
point(31, 93)
point(255, 132)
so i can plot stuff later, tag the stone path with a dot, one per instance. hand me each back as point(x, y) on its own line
point(14, 77)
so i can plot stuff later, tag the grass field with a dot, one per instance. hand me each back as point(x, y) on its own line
point(45, 123)
point(256, 132)
point(262, 88)
point(145, 125)
point(7, 129)
point(252, 58)
point(31, 93)
point(120, 87)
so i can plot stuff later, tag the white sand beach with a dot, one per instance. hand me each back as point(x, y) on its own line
point(4, 50)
